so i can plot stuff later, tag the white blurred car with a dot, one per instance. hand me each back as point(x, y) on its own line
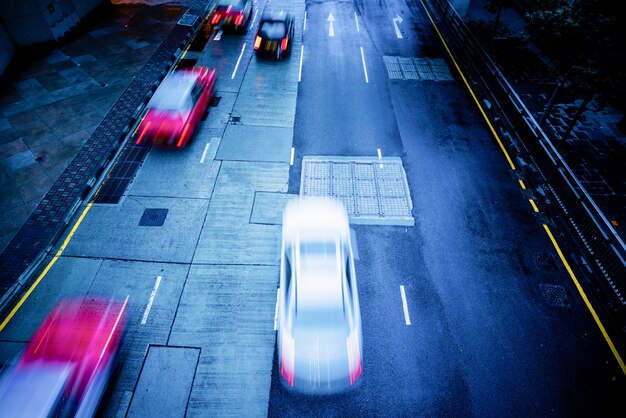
point(319, 334)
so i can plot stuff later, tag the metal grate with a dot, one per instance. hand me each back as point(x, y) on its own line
point(122, 173)
point(153, 217)
point(374, 191)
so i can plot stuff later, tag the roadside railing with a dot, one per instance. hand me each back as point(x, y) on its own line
point(535, 154)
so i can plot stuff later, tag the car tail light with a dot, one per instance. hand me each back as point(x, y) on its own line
point(283, 44)
point(257, 42)
point(354, 356)
point(114, 329)
point(229, 8)
point(142, 135)
point(239, 20)
point(287, 359)
point(216, 18)
point(183, 135)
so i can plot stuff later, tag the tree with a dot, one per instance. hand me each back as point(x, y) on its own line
point(496, 6)
point(584, 41)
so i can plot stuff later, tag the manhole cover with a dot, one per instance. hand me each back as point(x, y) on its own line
point(555, 295)
point(546, 262)
point(235, 119)
point(153, 217)
point(373, 190)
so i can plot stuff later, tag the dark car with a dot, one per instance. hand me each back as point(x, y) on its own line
point(232, 14)
point(274, 37)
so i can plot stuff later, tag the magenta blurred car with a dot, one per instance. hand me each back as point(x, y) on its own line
point(65, 367)
point(176, 107)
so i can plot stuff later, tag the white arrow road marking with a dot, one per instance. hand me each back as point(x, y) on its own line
point(331, 30)
point(356, 19)
point(152, 295)
point(397, 20)
point(238, 61)
point(407, 320)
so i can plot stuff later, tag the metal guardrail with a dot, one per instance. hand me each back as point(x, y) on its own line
point(536, 155)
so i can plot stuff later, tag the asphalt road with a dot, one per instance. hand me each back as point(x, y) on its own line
point(493, 324)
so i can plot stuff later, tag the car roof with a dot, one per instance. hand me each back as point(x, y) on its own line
point(176, 84)
point(279, 15)
point(224, 3)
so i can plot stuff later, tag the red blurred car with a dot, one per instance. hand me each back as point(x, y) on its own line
point(232, 14)
point(65, 367)
point(176, 107)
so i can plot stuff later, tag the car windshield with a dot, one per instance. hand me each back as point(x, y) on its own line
point(272, 29)
point(234, 3)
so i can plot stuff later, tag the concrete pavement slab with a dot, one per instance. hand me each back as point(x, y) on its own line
point(229, 312)
point(70, 277)
point(167, 371)
point(114, 231)
point(256, 143)
point(268, 207)
point(138, 280)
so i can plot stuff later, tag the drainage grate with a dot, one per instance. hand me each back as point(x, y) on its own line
point(374, 191)
point(122, 173)
point(235, 119)
point(546, 262)
point(555, 295)
point(153, 217)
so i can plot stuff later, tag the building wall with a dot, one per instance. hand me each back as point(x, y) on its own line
point(6, 49)
point(30, 22)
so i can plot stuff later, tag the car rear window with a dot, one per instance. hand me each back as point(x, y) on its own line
point(272, 29)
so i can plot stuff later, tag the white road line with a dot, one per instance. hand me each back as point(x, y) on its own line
point(407, 320)
point(379, 154)
point(256, 12)
point(293, 154)
point(276, 310)
point(364, 66)
point(152, 295)
point(206, 148)
point(238, 61)
point(218, 35)
point(356, 19)
point(301, 56)
point(304, 25)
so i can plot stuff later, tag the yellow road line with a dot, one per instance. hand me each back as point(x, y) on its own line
point(586, 300)
point(532, 203)
point(45, 271)
point(493, 131)
point(522, 185)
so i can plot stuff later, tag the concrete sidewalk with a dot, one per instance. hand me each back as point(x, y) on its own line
point(57, 97)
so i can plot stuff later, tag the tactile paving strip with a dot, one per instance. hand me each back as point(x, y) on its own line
point(373, 190)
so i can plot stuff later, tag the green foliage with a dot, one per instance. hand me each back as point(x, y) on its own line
point(585, 42)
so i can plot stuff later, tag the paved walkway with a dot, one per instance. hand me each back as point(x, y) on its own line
point(66, 112)
point(596, 149)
